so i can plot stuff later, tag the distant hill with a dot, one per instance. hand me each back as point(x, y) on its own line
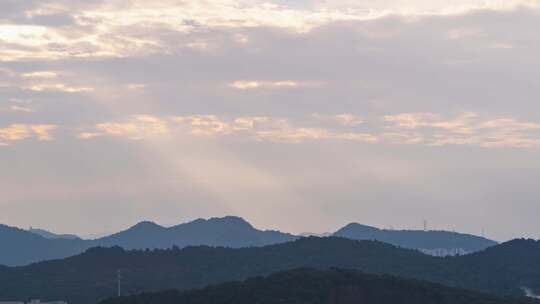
point(504, 269)
point(228, 231)
point(333, 286)
point(440, 243)
point(20, 247)
point(52, 236)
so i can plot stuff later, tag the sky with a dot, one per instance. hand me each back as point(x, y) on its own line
point(297, 115)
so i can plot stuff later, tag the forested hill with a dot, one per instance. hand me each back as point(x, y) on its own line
point(333, 286)
point(430, 241)
point(504, 269)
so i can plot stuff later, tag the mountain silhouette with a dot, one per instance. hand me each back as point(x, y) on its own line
point(20, 247)
point(504, 270)
point(431, 242)
point(332, 286)
point(50, 235)
point(228, 231)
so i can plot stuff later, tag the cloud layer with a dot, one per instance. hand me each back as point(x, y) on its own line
point(383, 112)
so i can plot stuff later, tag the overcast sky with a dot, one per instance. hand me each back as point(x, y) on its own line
point(296, 115)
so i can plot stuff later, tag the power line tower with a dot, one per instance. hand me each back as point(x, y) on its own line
point(425, 225)
point(119, 277)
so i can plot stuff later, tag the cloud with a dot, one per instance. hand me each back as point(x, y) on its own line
point(58, 29)
point(17, 108)
point(40, 74)
point(283, 84)
point(257, 128)
point(17, 132)
point(346, 119)
point(267, 129)
point(458, 125)
point(243, 85)
point(42, 81)
point(466, 129)
point(59, 87)
point(136, 128)
point(405, 128)
point(209, 124)
point(15, 105)
point(43, 131)
point(428, 129)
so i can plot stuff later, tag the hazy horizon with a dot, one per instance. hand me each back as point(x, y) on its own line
point(297, 116)
point(415, 226)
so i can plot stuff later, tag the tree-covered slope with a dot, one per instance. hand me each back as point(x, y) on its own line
point(504, 269)
point(311, 286)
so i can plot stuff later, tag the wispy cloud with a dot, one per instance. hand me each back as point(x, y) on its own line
point(17, 108)
point(405, 128)
point(346, 119)
point(58, 87)
point(17, 132)
point(40, 74)
point(257, 128)
point(282, 84)
point(136, 128)
point(465, 129)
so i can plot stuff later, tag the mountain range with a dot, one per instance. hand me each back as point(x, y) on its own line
point(21, 247)
point(332, 286)
point(229, 231)
point(505, 270)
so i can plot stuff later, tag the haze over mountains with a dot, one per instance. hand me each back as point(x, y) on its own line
point(503, 269)
point(38, 245)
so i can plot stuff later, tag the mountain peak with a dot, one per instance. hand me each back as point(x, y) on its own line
point(359, 227)
point(145, 225)
point(230, 220)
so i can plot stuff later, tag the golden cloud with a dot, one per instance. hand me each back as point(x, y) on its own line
point(136, 128)
point(16, 132)
point(283, 84)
